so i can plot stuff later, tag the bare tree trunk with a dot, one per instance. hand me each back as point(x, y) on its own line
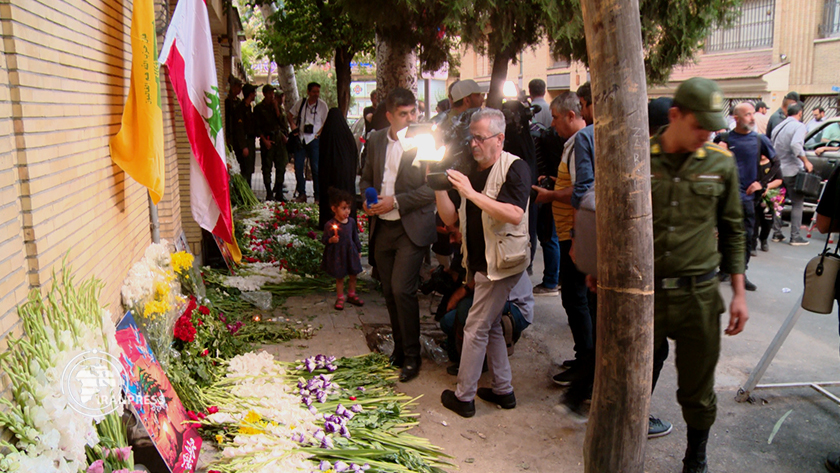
point(288, 82)
point(497, 79)
point(395, 67)
point(285, 73)
point(618, 421)
point(343, 78)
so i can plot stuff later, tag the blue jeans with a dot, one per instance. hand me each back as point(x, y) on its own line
point(309, 150)
point(547, 235)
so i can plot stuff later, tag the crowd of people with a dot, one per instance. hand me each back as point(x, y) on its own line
point(711, 182)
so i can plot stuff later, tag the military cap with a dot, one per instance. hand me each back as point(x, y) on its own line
point(705, 99)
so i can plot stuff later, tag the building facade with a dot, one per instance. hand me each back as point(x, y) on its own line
point(775, 46)
point(64, 77)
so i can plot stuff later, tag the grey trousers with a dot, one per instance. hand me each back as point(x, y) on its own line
point(796, 200)
point(483, 335)
point(398, 261)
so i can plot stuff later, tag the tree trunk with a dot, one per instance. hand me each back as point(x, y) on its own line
point(285, 73)
point(618, 420)
point(343, 78)
point(395, 67)
point(286, 78)
point(497, 79)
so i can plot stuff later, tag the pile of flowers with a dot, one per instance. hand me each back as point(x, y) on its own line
point(319, 414)
point(283, 233)
point(153, 292)
point(49, 431)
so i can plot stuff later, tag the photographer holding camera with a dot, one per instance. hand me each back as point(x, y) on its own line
point(492, 209)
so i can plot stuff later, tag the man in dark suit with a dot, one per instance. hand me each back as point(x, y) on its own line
point(402, 227)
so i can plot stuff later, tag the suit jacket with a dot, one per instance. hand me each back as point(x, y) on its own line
point(416, 199)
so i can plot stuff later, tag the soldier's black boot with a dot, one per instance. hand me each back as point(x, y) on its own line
point(695, 454)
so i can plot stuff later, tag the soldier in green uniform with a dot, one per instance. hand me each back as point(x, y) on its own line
point(272, 128)
point(694, 188)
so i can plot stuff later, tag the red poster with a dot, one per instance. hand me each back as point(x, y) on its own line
point(155, 402)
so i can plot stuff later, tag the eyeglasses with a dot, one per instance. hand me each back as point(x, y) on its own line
point(480, 139)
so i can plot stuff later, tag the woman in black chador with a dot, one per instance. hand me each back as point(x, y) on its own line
point(338, 163)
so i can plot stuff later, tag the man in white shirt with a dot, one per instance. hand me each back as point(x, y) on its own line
point(308, 114)
point(402, 223)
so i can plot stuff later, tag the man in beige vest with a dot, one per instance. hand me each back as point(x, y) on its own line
point(491, 207)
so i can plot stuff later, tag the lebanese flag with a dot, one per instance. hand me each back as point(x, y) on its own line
point(188, 54)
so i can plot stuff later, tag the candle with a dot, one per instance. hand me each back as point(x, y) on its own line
point(335, 229)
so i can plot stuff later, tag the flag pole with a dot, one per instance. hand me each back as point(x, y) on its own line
point(153, 216)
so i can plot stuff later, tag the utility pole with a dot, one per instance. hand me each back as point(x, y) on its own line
point(618, 420)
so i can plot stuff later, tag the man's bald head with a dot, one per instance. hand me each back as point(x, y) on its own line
point(744, 114)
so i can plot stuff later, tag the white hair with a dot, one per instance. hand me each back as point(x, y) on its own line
point(495, 119)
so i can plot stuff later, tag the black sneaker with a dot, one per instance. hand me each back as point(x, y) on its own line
point(507, 401)
point(575, 408)
point(463, 409)
point(764, 246)
point(799, 241)
point(695, 466)
point(778, 237)
point(832, 462)
point(569, 363)
point(748, 285)
point(567, 377)
point(541, 290)
point(658, 427)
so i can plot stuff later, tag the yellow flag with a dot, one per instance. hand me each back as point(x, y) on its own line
point(138, 147)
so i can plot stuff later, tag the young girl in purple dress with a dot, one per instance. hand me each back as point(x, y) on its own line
point(342, 248)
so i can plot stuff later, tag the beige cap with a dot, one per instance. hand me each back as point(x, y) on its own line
point(465, 88)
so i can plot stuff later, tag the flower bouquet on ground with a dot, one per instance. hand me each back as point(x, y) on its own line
point(153, 293)
point(58, 421)
point(319, 415)
point(241, 195)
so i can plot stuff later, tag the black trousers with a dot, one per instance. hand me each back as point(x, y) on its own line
point(398, 262)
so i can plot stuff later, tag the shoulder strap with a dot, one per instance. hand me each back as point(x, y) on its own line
point(300, 110)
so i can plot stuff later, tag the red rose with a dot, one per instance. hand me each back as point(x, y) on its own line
point(212, 409)
point(204, 310)
point(290, 245)
point(205, 352)
point(192, 415)
point(201, 415)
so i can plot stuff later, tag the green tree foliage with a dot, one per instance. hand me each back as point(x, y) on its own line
point(424, 25)
point(319, 75)
point(672, 30)
point(302, 32)
point(503, 29)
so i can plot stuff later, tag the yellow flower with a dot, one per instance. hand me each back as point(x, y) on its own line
point(162, 290)
point(182, 261)
point(220, 438)
point(153, 308)
point(252, 417)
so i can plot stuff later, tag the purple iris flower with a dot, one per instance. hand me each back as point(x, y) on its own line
point(349, 415)
point(344, 431)
point(361, 388)
point(322, 397)
point(340, 410)
point(356, 408)
point(325, 465)
point(313, 410)
point(319, 435)
point(327, 443)
point(341, 466)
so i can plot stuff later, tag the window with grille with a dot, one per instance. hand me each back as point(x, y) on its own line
point(560, 62)
point(831, 19)
point(752, 29)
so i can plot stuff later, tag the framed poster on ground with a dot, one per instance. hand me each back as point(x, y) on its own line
point(154, 401)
